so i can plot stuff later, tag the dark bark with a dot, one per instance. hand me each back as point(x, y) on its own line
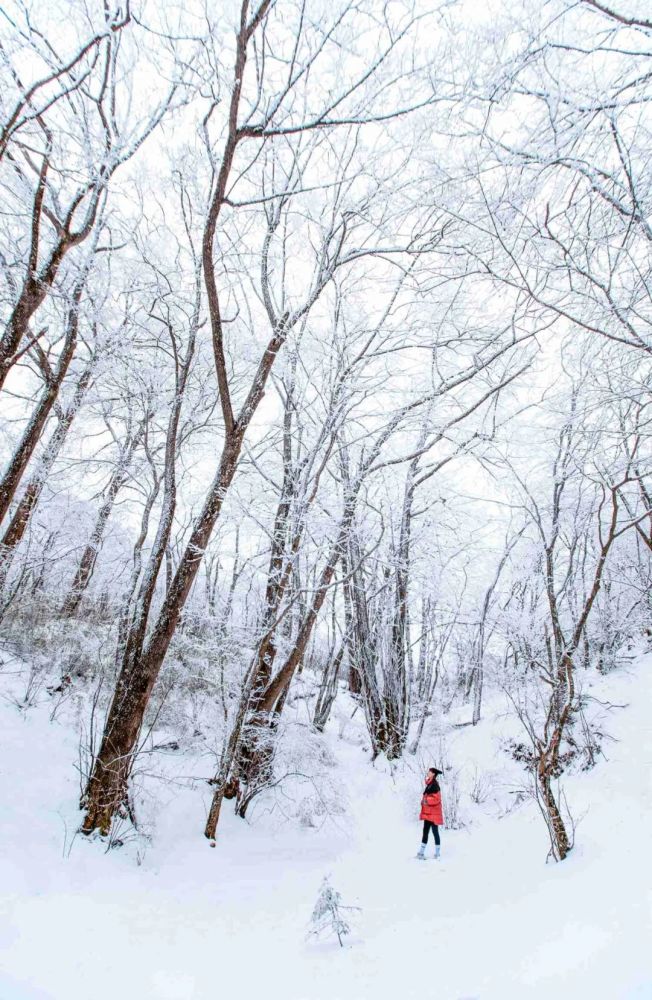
point(138, 668)
point(243, 762)
point(142, 663)
point(69, 227)
point(254, 766)
point(562, 696)
point(68, 75)
point(53, 381)
point(19, 522)
point(247, 760)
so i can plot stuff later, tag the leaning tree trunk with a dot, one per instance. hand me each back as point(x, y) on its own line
point(363, 643)
point(562, 694)
point(34, 429)
point(240, 757)
point(106, 790)
point(21, 517)
point(328, 690)
point(283, 553)
point(141, 664)
point(88, 558)
point(276, 690)
point(107, 784)
point(257, 751)
point(36, 289)
point(258, 675)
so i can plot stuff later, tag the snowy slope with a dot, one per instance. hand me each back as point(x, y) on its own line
point(489, 921)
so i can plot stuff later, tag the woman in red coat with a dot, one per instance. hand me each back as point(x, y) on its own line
point(431, 812)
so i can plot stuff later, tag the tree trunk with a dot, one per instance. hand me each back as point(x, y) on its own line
point(140, 669)
point(21, 517)
point(560, 842)
point(328, 690)
point(107, 787)
point(548, 752)
point(477, 691)
point(32, 434)
point(256, 754)
point(247, 761)
point(88, 559)
point(106, 790)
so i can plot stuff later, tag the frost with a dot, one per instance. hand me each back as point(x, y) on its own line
point(330, 916)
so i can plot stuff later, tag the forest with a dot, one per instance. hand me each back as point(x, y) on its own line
point(325, 366)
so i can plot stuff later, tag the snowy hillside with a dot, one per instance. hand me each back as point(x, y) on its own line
point(490, 920)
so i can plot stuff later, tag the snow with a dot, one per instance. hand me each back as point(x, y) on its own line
point(490, 920)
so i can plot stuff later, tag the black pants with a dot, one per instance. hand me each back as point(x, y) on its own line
point(427, 826)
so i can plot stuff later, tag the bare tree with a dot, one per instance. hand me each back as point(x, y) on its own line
point(576, 532)
point(61, 143)
point(20, 519)
point(119, 477)
point(574, 234)
point(485, 628)
point(53, 381)
point(250, 119)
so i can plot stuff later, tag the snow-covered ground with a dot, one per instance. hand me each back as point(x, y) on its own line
point(489, 921)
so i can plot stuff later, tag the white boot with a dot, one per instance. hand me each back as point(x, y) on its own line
point(421, 856)
point(437, 851)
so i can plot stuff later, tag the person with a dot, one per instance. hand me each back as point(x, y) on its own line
point(431, 813)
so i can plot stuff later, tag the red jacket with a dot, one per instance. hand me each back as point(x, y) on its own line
point(431, 808)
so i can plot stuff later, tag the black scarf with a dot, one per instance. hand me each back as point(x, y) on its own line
point(432, 787)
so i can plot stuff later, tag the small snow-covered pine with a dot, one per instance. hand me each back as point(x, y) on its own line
point(328, 915)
